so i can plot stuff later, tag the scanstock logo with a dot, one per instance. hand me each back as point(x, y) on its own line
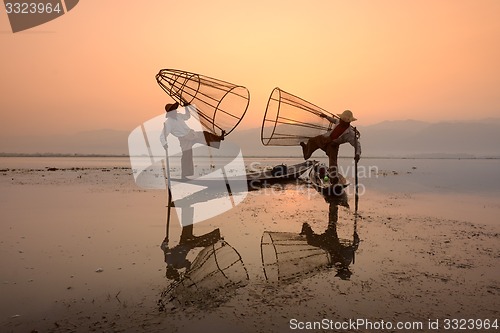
point(26, 14)
point(219, 182)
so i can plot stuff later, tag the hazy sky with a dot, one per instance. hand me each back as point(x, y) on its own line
point(95, 67)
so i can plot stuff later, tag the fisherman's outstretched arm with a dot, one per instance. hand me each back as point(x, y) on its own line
point(329, 118)
point(187, 113)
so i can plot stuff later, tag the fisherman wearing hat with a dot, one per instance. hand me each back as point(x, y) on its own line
point(330, 141)
point(175, 124)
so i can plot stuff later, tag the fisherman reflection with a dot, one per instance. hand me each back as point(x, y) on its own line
point(175, 124)
point(341, 251)
point(210, 280)
point(176, 257)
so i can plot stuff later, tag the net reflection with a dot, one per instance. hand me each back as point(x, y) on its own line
point(210, 279)
point(288, 256)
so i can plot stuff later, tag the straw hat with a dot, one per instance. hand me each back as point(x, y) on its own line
point(346, 116)
point(170, 106)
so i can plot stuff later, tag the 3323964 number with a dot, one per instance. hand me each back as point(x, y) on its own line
point(470, 324)
point(32, 8)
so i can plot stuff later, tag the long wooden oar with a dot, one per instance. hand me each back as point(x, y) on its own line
point(166, 174)
point(356, 195)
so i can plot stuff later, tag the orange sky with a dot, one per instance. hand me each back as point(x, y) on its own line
point(94, 67)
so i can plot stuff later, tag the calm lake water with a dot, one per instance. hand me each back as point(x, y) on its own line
point(467, 176)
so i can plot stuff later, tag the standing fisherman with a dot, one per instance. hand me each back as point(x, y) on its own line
point(175, 124)
point(329, 142)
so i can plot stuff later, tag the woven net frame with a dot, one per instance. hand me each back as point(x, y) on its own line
point(216, 266)
point(220, 105)
point(289, 119)
point(288, 256)
point(221, 266)
point(281, 253)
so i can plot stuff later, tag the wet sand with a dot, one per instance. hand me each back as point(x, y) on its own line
point(80, 252)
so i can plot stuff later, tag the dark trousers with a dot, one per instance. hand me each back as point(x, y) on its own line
point(324, 143)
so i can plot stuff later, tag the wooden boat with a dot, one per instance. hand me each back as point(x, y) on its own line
point(327, 182)
point(255, 180)
point(279, 173)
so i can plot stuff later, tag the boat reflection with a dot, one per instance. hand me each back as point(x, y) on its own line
point(287, 256)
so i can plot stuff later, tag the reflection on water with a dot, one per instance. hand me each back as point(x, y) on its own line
point(287, 256)
point(218, 270)
point(341, 252)
point(209, 279)
point(176, 257)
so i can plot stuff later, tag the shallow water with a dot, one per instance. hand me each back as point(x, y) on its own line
point(62, 162)
point(70, 237)
point(467, 176)
point(463, 176)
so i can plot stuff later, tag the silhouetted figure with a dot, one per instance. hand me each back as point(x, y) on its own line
point(329, 142)
point(175, 124)
point(210, 279)
point(176, 257)
point(342, 253)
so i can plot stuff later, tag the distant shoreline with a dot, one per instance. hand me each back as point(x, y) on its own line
point(59, 155)
point(419, 157)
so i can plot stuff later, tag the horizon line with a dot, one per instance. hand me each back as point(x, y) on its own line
point(416, 156)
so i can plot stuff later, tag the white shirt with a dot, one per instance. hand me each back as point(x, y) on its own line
point(175, 124)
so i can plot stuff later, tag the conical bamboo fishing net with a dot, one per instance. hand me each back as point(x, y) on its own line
point(290, 119)
point(221, 105)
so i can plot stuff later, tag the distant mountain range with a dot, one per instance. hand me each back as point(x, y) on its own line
point(416, 138)
point(408, 138)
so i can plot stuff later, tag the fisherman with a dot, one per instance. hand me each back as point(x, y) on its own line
point(330, 141)
point(175, 124)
